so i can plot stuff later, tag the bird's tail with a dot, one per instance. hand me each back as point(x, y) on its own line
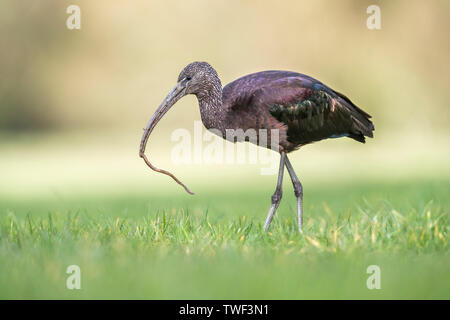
point(362, 125)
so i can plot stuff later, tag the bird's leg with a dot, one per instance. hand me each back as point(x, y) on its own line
point(276, 197)
point(298, 190)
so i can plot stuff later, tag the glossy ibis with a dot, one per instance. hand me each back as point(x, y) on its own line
point(301, 108)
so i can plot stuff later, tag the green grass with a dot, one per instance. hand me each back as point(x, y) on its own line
point(212, 245)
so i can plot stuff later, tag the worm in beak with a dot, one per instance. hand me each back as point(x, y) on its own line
point(174, 95)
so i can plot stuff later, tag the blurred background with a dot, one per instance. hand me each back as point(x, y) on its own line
point(73, 102)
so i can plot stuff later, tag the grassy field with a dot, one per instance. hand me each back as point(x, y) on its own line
point(73, 190)
point(138, 245)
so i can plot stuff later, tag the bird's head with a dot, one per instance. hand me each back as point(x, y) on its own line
point(197, 78)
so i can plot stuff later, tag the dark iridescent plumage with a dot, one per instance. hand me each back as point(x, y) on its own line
point(304, 109)
point(300, 108)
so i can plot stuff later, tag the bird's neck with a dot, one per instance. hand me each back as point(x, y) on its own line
point(211, 108)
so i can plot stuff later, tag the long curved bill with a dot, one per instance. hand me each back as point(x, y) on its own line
point(174, 95)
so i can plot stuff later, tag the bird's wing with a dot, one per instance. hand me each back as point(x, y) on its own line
point(311, 110)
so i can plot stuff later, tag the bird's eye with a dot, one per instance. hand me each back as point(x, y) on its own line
point(188, 78)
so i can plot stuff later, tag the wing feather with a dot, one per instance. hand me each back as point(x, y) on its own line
point(310, 110)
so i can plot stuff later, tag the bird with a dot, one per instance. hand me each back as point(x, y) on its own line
point(300, 108)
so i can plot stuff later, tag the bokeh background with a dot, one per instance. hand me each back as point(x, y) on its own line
point(73, 102)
